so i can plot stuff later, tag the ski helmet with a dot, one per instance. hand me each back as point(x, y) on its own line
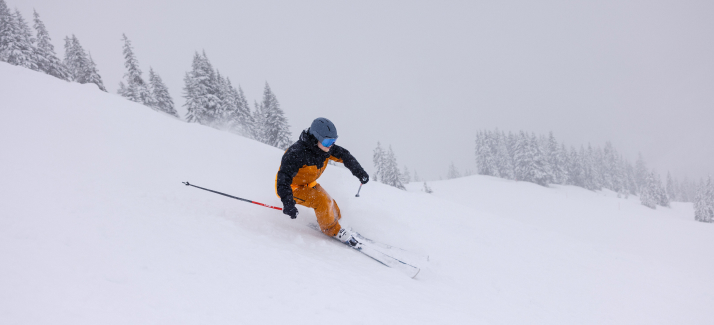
point(322, 129)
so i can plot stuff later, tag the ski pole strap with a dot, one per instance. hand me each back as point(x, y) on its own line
point(233, 197)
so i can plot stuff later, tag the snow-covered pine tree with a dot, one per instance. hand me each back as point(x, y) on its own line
point(540, 170)
point(390, 174)
point(556, 160)
point(27, 42)
point(201, 92)
point(598, 168)
point(453, 172)
point(483, 154)
point(670, 188)
point(492, 139)
point(660, 192)
point(522, 159)
point(504, 159)
point(378, 158)
point(7, 32)
point(258, 117)
point(160, 94)
point(416, 176)
point(16, 41)
point(240, 119)
point(609, 165)
point(640, 172)
point(47, 60)
point(575, 169)
point(73, 59)
point(275, 128)
point(81, 67)
point(137, 90)
point(561, 159)
point(709, 201)
point(648, 192)
point(704, 201)
point(227, 104)
point(92, 74)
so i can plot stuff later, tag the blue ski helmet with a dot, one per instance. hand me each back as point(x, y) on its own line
point(322, 129)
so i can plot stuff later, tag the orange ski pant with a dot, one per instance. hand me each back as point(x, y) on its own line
point(326, 209)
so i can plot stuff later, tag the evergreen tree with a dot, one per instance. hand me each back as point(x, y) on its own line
point(72, 59)
point(27, 41)
point(540, 170)
point(240, 119)
point(47, 60)
point(671, 192)
point(562, 163)
point(416, 177)
point(92, 74)
point(378, 158)
point(591, 171)
point(390, 173)
point(160, 94)
point(201, 92)
point(556, 159)
point(80, 66)
point(574, 169)
point(275, 130)
point(648, 191)
point(704, 202)
point(16, 41)
point(504, 159)
point(136, 88)
point(226, 103)
point(522, 159)
point(453, 172)
point(258, 116)
point(660, 193)
point(640, 172)
point(7, 32)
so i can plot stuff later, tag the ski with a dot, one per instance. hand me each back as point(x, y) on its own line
point(380, 253)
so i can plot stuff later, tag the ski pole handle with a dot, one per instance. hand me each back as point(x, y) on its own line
point(233, 197)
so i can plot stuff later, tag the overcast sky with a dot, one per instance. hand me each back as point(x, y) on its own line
point(424, 77)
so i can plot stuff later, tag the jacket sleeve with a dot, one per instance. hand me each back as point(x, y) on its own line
point(289, 167)
point(345, 157)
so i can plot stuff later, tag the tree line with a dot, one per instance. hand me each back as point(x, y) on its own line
point(211, 99)
point(543, 160)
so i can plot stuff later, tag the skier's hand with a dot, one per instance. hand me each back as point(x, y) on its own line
point(363, 177)
point(291, 211)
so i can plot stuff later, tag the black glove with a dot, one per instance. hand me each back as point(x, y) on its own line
point(291, 211)
point(363, 177)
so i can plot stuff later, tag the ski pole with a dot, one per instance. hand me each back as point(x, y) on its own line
point(234, 197)
point(360, 188)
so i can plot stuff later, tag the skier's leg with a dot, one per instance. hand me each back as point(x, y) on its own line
point(326, 209)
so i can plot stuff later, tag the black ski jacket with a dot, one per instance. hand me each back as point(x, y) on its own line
point(304, 162)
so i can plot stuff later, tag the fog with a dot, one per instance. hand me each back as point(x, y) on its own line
point(424, 77)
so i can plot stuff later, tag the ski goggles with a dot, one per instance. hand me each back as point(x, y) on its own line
point(327, 142)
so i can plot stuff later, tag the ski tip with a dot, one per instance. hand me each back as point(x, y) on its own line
point(417, 273)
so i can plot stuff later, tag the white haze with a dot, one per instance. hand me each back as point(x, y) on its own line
point(425, 76)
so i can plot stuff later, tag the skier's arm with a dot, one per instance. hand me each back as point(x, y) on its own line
point(344, 156)
point(288, 169)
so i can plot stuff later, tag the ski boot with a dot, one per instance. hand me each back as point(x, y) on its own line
point(348, 238)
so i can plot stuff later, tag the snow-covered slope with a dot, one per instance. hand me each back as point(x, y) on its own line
point(96, 228)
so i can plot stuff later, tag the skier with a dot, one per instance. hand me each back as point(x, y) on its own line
point(301, 166)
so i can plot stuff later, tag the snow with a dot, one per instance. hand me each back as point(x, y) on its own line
point(96, 228)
